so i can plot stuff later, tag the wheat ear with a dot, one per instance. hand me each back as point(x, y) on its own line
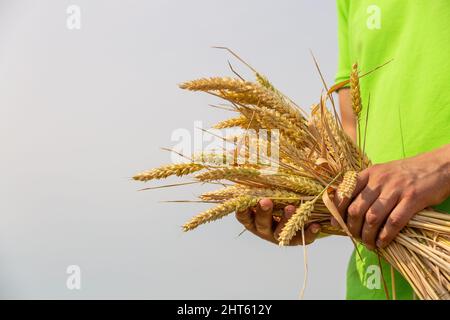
point(240, 121)
point(264, 81)
point(298, 184)
point(180, 169)
point(237, 204)
point(279, 196)
point(210, 158)
point(228, 174)
point(348, 184)
point(296, 222)
point(355, 90)
point(217, 83)
point(258, 95)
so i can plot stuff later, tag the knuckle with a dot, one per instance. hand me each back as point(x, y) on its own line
point(410, 193)
point(398, 181)
point(241, 216)
point(353, 211)
point(396, 223)
point(383, 238)
point(263, 229)
point(382, 176)
point(372, 217)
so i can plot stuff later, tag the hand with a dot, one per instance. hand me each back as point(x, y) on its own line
point(260, 222)
point(388, 195)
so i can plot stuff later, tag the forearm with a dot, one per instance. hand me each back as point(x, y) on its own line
point(441, 159)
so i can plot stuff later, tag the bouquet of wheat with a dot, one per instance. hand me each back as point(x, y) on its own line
point(315, 159)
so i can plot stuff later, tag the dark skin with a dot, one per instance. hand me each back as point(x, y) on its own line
point(386, 196)
point(260, 222)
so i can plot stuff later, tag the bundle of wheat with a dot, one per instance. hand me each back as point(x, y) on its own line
point(316, 159)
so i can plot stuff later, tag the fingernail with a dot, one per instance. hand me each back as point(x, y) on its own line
point(289, 210)
point(379, 244)
point(315, 229)
point(265, 205)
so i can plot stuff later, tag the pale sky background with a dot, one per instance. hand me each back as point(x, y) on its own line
point(83, 110)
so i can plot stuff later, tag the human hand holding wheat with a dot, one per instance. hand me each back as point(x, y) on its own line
point(316, 161)
point(387, 196)
point(261, 222)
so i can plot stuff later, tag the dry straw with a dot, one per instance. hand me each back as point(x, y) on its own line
point(316, 159)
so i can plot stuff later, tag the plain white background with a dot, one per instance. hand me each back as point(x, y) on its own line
point(81, 111)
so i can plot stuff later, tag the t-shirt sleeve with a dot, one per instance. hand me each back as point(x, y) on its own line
point(344, 64)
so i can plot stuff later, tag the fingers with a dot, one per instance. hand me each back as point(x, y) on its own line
point(258, 220)
point(288, 212)
point(356, 212)
point(246, 217)
point(311, 233)
point(263, 219)
point(398, 219)
point(375, 218)
point(342, 204)
point(261, 223)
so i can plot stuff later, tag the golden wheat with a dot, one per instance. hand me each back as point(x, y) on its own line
point(228, 174)
point(355, 91)
point(240, 121)
point(316, 160)
point(217, 83)
point(348, 184)
point(262, 80)
point(212, 158)
point(237, 204)
point(296, 222)
point(298, 184)
point(169, 170)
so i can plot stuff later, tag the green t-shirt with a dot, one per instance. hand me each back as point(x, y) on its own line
point(409, 110)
